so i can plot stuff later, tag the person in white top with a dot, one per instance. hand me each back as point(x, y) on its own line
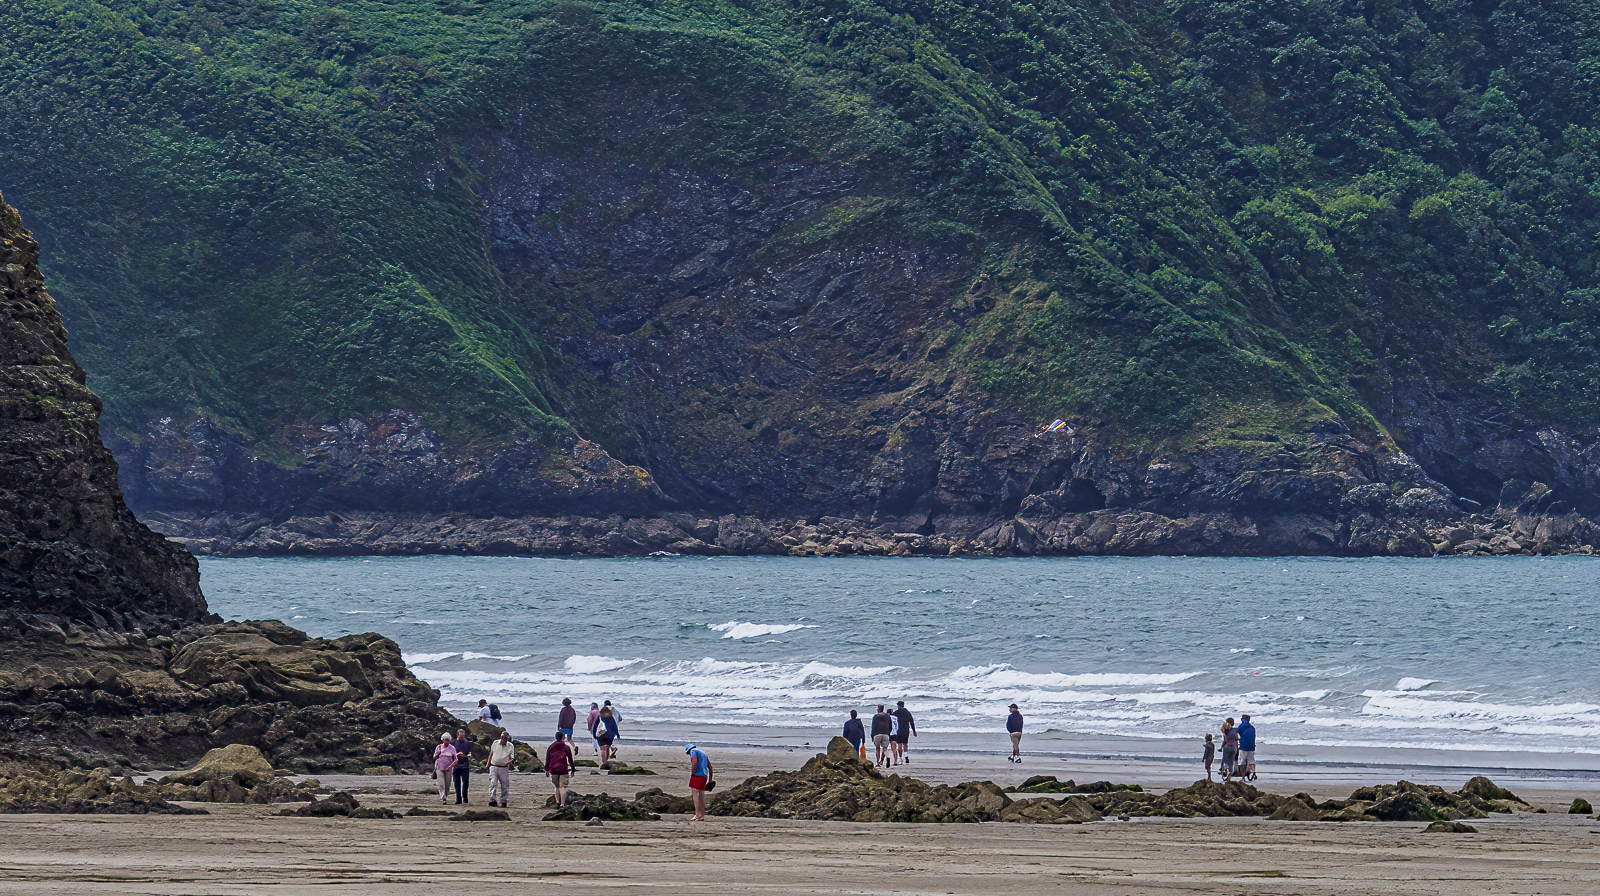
point(483, 713)
point(501, 754)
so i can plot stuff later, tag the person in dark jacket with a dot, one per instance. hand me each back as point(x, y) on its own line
point(881, 726)
point(567, 719)
point(607, 732)
point(856, 735)
point(558, 765)
point(1247, 749)
point(1014, 728)
point(901, 741)
point(462, 773)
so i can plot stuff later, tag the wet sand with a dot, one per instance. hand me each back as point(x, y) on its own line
point(247, 850)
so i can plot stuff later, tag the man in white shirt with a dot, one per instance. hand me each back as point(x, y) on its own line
point(501, 754)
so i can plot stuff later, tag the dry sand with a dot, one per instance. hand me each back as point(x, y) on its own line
point(246, 850)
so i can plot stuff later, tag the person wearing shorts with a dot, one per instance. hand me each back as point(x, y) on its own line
point(700, 776)
point(567, 719)
point(559, 758)
point(905, 727)
point(882, 724)
point(1247, 748)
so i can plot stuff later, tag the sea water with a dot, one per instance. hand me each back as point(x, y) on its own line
point(1467, 656)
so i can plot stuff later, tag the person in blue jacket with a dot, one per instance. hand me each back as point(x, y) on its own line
point(856, 735)
point(1014, 728)
point(1247, 748)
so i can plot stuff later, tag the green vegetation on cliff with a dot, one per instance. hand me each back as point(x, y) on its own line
point(1169, 220)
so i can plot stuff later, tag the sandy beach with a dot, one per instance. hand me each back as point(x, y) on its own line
point(248, 850)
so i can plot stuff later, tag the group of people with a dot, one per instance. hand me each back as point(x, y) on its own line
point(452, 758)
point(1238, 750)
point(452, 763)
point(891, 735)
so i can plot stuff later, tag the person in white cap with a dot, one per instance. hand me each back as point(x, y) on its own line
point(700, 778)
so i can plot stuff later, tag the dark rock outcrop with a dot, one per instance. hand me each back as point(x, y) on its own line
point(97, 792)
point(1403, 801)
point(69, 547)
point(340, 805)
point(90, 697)
point(603, 806)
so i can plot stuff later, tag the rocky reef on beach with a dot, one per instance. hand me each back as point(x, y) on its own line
point(108, 654)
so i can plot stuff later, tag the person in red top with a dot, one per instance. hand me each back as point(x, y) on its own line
point(558, 765)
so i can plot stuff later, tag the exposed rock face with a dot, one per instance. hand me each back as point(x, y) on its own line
point(977, 482)
point(95, 697)
point(68, 546)
point(107, 652)
point(1403, 801)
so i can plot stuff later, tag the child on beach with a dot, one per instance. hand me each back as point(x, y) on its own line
point(1211, 751)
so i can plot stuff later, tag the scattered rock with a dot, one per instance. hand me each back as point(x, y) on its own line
point(1449, 827)
point(657, 800)
point(97, 792)
point(1580, 806)
point(378, 770)
point(418, 812)
point(340, 805)
point(1049, 784)
point(620, 768)
point(237, 773)
point(483, 815)
point(582, 808)
point(593, 823)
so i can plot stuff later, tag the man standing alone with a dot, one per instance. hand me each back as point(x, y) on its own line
point(908, 727)
point(699, 778)
point(882, 724)
point(1014, 728)
point(501, 754)
point(1247, 748)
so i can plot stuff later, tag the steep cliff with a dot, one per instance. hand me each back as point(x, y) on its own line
point(530, 275)
point(107, 651)
point(71, 547)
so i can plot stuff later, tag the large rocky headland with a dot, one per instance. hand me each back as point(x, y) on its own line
point(109, 656)
point(816, 276)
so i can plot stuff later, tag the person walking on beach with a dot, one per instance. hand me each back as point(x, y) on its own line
point(1247, 748)
point(501, 754)
point(1210, 752)
point(594, 720)
point(856, 735)
point(882, 724)
point(1014, 728)
point(444, 760)
point(616, 716)
point(700, 778)
point(567, 719)
point(907, 726)
point(606, 732)
point(462, 773)
point(559, 759)
point(1230, 750)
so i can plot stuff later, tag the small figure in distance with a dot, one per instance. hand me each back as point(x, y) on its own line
point(616, 716)
point(1247, 748)
point(559, 759)
point(700, 778)
point(882, 724)
point(594, 720)
point(607, 734)
point(907, 729)
point(501, 754)
point(856, 735)
point(444, 760)
point(1208, 755)
point(1230, 750)
point(567, 719)
point(1014, 728)
point(462, 773)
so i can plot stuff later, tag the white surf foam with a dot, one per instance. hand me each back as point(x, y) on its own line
point(422, 659)
point(738, 631)
point(579, 664)
point(1414, 684)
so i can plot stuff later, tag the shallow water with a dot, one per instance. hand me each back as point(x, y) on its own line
point(1462, 655)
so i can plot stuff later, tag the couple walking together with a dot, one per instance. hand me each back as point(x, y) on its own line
point(452, 761)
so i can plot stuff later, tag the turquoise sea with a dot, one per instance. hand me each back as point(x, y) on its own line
point(1477, 656)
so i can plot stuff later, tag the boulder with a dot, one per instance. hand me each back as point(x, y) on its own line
point(482, 815)
point(657, 800)
point(603, 806)
point(1449, 827)
point(1580, 806)
point(339, 805)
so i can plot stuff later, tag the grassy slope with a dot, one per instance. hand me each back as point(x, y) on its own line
point(1192, 219)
